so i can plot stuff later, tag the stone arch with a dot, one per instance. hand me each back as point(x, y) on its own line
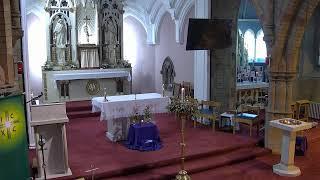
point(158, 23)
point(295, 37)
point(128, 14)
point(182, 21)
point(283, 67)
point(168, 73)
point(284, 26)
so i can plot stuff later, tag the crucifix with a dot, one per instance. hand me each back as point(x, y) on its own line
point(86, 29)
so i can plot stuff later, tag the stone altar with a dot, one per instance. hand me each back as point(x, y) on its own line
point(85, 50)
point(83, 84)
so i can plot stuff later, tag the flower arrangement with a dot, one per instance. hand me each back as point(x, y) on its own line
point(147, 114)
point(135, 117)
point(189, 105)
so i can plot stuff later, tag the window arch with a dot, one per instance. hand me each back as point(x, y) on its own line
point(249, 44)
point(261, 49)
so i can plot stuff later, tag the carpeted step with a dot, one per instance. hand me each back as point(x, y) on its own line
point(78, 106)
point(199, 165)
point(82, 114)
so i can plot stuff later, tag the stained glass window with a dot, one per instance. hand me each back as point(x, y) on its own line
point(261, 49)
point(249, 44)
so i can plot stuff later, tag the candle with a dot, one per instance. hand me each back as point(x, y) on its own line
point(182, 94)
point(163, 90)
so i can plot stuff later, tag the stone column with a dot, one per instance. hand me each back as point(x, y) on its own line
point(280, 98)
point(17, 32)
point(223, 61)
point(6, 49)
point(202, 57)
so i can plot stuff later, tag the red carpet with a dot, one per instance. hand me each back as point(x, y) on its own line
point(210, 155)
point(89, 147)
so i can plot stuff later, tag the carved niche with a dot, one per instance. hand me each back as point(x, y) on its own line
point(110, 31)
point(60, 32)
point(168, 73)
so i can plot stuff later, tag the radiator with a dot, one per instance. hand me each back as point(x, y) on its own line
point(314, 110)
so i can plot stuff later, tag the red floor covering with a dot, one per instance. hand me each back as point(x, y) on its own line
point(88, 146)
point(261, 167)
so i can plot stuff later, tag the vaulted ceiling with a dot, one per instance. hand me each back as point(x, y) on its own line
point(148, 12)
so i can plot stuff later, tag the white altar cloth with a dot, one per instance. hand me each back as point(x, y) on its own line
point(123, 106)
point(91, 75)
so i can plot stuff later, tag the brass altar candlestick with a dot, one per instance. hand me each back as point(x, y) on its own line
point(183, 174)
point(105, 95)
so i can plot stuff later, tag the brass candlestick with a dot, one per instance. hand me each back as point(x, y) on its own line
point(183, 174)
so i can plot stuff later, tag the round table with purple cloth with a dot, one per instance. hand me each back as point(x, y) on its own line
point(143, 137)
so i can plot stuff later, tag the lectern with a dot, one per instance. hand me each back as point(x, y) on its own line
point(49, 122)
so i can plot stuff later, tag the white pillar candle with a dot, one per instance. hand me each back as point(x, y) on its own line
point(163, 90)
point(182, 94)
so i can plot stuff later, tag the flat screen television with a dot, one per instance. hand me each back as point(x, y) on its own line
point(207, 34)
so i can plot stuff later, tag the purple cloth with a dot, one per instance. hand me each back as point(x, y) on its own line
point(143, 137)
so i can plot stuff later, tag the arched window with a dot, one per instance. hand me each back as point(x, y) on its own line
point(261, 49)
point(249, 44)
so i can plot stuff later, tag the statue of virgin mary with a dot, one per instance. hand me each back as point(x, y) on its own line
point(60, 35)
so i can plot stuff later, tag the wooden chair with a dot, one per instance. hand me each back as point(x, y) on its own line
point(176, 89)
point(188, 88)
point(208, 110)
point(302, 110)
point(250, 115)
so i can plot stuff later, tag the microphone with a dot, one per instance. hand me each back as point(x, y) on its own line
point(35, 98)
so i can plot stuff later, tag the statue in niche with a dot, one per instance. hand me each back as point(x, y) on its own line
point(168, 74)
point(111, 41)
point(60, 36)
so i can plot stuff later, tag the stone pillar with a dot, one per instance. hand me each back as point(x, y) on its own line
point(6, 50)
point(223, 61)
point(202, 57)
point(280, 98)
point(17, 32)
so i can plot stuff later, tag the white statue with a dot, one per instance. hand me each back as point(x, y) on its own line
point(60, 34)
point(111, 34)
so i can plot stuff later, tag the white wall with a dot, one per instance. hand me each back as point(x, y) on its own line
point(182, 59)
point(140, 55)
point(37, 53)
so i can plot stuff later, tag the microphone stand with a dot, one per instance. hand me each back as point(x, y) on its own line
point(34, 98)
point(41, 144)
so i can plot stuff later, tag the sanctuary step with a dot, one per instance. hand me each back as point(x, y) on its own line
point(80, 109)
point(89, 149)
point(198, 165)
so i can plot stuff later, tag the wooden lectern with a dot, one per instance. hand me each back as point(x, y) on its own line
point(49, 122)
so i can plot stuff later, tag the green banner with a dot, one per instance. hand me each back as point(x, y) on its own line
point(13, 139)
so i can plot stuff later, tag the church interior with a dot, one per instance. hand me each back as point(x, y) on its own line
point(159, 89)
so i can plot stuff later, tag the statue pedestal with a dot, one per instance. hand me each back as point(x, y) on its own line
point(286, 166)
point(49, 122)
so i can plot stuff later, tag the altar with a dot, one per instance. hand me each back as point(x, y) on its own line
point(116, 110)
point(83, 84)
point(85, 51)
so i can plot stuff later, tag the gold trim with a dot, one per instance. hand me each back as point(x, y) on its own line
point(93, 87)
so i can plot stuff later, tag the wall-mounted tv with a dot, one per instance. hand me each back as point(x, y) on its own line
point(207, 34)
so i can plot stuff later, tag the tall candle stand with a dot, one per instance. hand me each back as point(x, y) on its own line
point(183, 174)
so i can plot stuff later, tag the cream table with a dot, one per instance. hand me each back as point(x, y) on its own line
point(289, 128)
point(117, 109)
